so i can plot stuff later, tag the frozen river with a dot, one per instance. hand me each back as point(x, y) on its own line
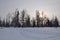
point(30, 33)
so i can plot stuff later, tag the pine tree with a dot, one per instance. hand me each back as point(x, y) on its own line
point(3, 23)
point(34, 22)
point(48, 23)
point(28, 21)
point(15, 21)
point(23, 18)
point(38, 18)
point(0, 22)
point(56, 22)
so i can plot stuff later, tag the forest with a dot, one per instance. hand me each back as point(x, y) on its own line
point(24, 20)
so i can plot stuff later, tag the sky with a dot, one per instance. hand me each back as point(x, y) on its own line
point(49, 7)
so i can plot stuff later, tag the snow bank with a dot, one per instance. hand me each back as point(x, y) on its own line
point(30, 33)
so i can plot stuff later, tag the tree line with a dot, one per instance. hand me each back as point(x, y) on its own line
point(24, 20)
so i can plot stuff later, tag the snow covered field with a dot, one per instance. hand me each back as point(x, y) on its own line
point(30, 33)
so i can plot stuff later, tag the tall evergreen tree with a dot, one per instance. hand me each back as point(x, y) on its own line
point(28, 21)
point(23, 18)
point(34, 22)
point(38, 18)
point(3, 23)
point(56, 22)
point(15, 21)
point(0, 22)
point(8, 21)
point(48, 23)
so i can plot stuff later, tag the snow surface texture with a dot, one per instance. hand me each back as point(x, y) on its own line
point(30, 34)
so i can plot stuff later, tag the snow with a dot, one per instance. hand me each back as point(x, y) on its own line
point(30, 33)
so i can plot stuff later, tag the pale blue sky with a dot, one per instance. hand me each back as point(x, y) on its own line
point(50, 7)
